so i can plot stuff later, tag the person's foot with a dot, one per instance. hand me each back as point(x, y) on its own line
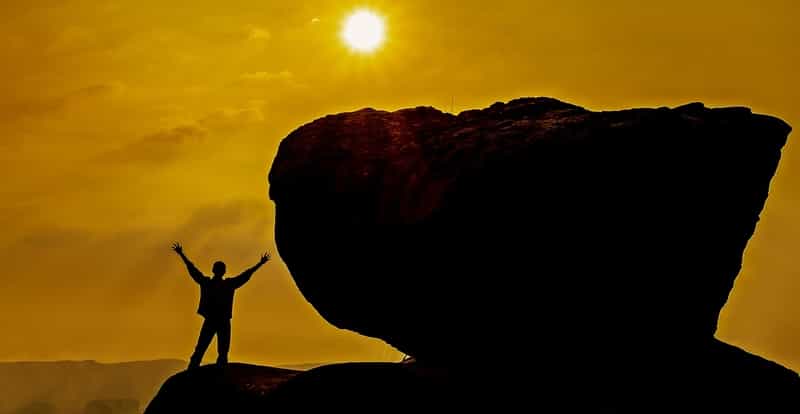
point(222, 362)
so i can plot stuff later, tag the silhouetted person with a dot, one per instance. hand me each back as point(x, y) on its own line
point(216, 305)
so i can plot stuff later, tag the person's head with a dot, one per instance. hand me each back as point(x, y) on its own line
point(218, 269)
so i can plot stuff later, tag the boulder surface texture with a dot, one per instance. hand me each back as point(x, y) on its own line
point(535, 234)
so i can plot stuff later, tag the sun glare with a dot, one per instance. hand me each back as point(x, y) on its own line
point(363, 31)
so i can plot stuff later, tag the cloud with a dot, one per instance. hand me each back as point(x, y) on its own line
point(96, 90)
point(284, 75)
point(159, 147)
point(171, 143)
point(258, 33)
point(12, 109)
point(232, 118)
point(238, 228)
point(284, 78)
point(73, 39)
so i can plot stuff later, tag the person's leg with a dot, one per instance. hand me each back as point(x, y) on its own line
point(223, 341)
point(206, 335)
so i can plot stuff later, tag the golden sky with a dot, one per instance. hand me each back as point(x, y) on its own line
point(126, 125)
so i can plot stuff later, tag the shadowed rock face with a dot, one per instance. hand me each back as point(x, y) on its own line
point(532, 228)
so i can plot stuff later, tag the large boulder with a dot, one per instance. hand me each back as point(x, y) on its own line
point(533, 230)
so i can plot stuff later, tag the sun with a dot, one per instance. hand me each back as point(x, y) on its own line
point(363, 31)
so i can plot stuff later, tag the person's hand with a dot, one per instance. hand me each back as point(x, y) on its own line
point(265, 258)
point(177, 247)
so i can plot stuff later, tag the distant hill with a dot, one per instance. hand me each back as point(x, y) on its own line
point(81, 387)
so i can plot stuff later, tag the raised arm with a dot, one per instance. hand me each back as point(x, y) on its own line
point(193, 271)
point(243, 278)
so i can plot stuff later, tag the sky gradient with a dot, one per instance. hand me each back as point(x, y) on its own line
point(127, 125)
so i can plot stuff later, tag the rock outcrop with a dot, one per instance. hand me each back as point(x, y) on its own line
point(238, 388)
point(347, 387)
point(535, 233)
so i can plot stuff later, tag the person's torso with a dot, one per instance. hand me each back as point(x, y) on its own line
point(216, 299)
